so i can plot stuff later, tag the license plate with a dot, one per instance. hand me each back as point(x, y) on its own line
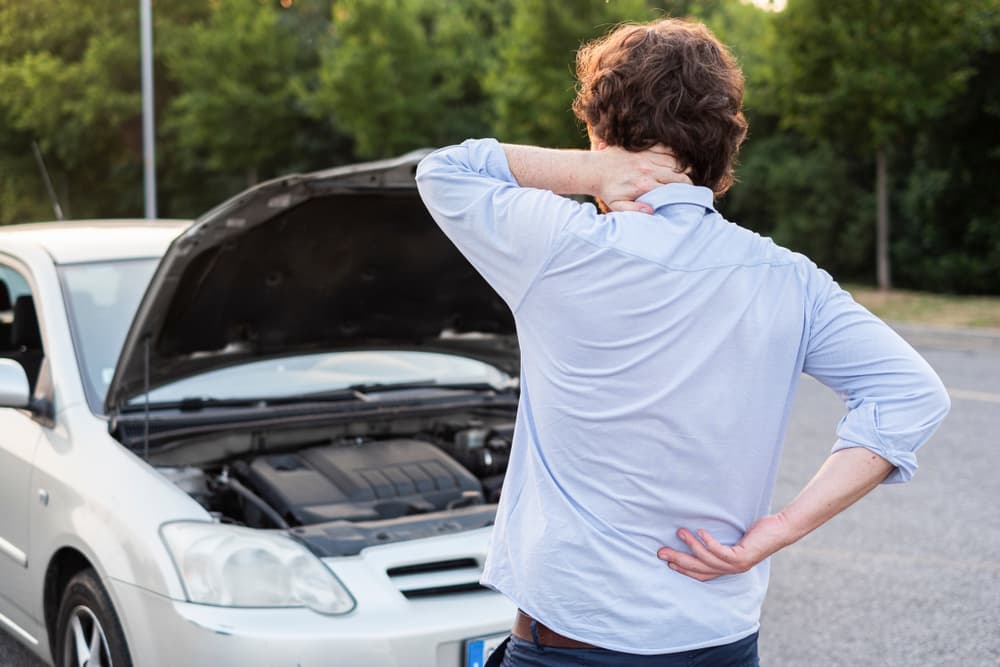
point(478, 650)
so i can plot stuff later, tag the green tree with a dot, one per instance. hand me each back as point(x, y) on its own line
point(949, 238)
point(237, 111)
point(66, 88)
point(778, 195)
point(532, 83)
point(867, 74)
point(749, 33)
point(402, 74)
point(70, 78)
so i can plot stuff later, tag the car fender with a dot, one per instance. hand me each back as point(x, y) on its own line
point(107, 503)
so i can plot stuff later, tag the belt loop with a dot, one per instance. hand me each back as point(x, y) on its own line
point(534, 636)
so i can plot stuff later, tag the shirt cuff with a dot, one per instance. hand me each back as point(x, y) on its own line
point(859, 428)
point(905, 462)
point(487, 157)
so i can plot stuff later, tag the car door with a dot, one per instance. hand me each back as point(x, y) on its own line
point(19, 437)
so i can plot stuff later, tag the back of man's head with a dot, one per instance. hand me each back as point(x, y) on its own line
point(668, 82)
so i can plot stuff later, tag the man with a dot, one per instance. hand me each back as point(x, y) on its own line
point(661, 347)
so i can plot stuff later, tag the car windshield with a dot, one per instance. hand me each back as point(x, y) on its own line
point(103, 298)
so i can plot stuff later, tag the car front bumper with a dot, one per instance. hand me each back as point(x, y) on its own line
point(420, 633)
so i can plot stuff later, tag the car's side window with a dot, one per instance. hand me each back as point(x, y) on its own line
point(20, 337)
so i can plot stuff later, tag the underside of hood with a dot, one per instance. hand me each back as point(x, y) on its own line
point(343, 259)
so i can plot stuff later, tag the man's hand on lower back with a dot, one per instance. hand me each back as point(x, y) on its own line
point(846, 476)
point(614, 175)
point(710, 559)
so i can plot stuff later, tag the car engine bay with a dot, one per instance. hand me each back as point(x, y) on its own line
point(340, 493)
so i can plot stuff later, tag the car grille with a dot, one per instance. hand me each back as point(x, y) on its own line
point(434, 578)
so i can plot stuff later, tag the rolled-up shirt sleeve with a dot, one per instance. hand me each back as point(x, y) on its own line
point(505, 231)
point(895, 400)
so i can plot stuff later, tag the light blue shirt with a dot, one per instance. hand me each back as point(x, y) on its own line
point(660, 355)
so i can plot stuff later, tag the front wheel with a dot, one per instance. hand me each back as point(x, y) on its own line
point(88, 632)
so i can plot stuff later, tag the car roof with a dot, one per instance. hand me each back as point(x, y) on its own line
point(97, 240)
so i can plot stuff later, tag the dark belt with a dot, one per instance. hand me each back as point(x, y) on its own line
point(545, 636)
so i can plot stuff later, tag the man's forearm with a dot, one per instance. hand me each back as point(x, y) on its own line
point(846, 476)
point(563, 171)
point(613, 174)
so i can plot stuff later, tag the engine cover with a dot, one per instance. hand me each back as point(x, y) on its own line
point(369, 481)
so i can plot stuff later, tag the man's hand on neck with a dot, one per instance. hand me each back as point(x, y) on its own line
point(613, 175)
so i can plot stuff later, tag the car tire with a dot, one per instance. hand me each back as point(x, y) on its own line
point(88, 631)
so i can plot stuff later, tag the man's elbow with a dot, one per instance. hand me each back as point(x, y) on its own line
point(431, 177)
point(426, 168)
point(440, 174)
point(446, 162)
point(939, 400)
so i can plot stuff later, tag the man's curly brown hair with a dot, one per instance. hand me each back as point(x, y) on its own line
point(668, 82)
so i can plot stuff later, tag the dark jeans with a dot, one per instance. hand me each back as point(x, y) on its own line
point(520, 653)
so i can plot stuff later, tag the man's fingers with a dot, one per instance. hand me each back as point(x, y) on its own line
point(668, 172)
point(661, 156)
point(626, 205)
point(680, 562)
point(626, 176)
point(660, 149)
point(739, 557)
point(718, 550)
point(700, 576)
point(709, 557)
point(685, 561)
point(689, 563)
point(673, 177)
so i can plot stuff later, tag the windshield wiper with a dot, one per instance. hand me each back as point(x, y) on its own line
point(375, 387)
point(197, 403)
point(355, 392)
point(363, 390)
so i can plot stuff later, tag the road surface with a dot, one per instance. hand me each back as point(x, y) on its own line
point(908, 577)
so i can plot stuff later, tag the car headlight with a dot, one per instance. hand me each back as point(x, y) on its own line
point(231, 566)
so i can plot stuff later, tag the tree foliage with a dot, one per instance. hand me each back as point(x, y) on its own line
point(870, 80)
point(66, 85)
point(240, 115)
point(236, 71)
point(950, 226)
point(402, 74)
point(250, 89)
point(808, 197)
point(868, 72)
point(531, 82)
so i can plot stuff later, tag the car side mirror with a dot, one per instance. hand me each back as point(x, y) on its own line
point(14, 389)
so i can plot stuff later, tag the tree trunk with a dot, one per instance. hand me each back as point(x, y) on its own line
point(251, 176)
point(882, 225)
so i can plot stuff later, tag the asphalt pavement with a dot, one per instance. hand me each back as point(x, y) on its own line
point(908, 577)
point(911, 574)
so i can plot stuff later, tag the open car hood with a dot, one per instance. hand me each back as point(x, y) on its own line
point(346, 258)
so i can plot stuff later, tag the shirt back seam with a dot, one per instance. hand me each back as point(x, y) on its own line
point(562, 236)
point(747, 265)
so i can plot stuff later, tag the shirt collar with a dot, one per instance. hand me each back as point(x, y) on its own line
point(678, 193)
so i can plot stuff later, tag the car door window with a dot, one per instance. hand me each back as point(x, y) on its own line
point(12, 285)
point(20, 337)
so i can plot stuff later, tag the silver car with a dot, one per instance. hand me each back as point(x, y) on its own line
point(275, 436)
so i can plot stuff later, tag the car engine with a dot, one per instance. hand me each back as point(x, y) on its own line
point(346, 493)
point(384, 479)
